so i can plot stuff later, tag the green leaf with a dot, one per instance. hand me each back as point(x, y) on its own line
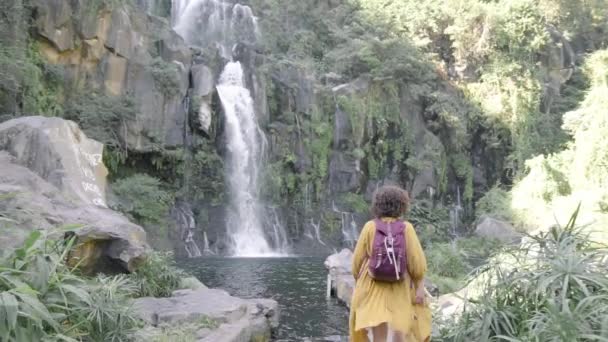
point(31, 239)
point(10, 306)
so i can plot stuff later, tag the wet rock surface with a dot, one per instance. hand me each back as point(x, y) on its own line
point(52, 176)
point(219, 316)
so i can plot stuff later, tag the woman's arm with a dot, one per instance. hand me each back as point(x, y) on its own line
point(360, 253)
point(416, 261)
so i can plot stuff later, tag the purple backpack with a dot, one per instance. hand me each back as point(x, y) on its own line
point(388, 259)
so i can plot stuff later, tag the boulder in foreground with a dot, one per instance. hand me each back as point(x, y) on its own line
point(52, 176)
point(215, 315)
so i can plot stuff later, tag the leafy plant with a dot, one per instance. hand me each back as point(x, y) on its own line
point(108, 314)
point(165, 76)
point(496, 202)
point(143, 198)
point(42, 299)
point(552, 288)
point(102, 117)
point(158, 276)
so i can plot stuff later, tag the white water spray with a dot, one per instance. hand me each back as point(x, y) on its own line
point(207, 22)
point(350, 233)
point(222, 24)
point(244, 140)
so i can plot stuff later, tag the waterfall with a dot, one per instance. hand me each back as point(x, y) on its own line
point(278, 231)
point(183, 216)
point(206, 249)
point(222, 25)
point(207, 22)
point(244, 141)
point(317, 229)
point(350, 233)
point(455, 214)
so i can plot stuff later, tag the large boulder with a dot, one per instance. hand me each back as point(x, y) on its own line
point(340, 262)
point(219, 316)
point(52, 176)
point(342, 282)
point(59, 152)
point(492, 228)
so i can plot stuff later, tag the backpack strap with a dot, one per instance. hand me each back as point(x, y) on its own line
point(384, 226)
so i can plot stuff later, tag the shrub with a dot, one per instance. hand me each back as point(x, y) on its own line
point(108, 317)
point(42, 299)
point(446, 260)
point(165, 76)
point(355, 202)
point(495, 203)
point(142, 197)
point(432, 224)
point(102, 117)
point(553, 289)
point(158, 276)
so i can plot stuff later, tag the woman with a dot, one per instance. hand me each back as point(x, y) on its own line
point(387, 308)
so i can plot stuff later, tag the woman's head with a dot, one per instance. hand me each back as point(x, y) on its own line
point(390, 201)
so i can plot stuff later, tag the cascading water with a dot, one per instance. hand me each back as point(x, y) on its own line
point(206, 22)
point(244, 140)
point(222, 25)
point(183, 216)
point(455, 214)
point(206, 248)
point(350, 234)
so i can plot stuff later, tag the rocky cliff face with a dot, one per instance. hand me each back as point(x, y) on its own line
point(332, 139)
point(121, 52)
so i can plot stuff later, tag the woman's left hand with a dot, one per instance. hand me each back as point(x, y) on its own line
point(420, 294)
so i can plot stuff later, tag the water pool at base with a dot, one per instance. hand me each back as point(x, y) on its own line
point(297, 284)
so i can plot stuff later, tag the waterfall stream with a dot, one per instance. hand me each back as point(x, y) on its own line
point(455, 214)
point(350, 233)
point(222, 25)
point(183, 216)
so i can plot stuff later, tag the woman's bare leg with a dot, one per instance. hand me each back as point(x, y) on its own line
point(400, 337)
point(380, 333)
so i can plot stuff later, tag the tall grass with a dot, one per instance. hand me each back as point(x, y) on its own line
point(42, 299)
point(553, 288)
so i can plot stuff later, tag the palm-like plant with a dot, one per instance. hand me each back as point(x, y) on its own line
point(42, 299)
point(555, 289)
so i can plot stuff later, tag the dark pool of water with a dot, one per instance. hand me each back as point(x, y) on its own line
point(297, 284)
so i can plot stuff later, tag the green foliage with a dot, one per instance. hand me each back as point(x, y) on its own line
point(553, 288)
point(446, 260)
point(102, 117)
point(451, 263)
point(555, 182)
point(158, 276)
point(166, 76)
point(143, 198)
point(432, 223)
point(355, 203)
point(203, 174)
point(496, 202)
point(28, 85)
point(108, 315)
point(41, 298)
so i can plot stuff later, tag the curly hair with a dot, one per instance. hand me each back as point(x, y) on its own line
point(390, 201)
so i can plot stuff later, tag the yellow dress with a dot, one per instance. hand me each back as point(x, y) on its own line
point(374, 303)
